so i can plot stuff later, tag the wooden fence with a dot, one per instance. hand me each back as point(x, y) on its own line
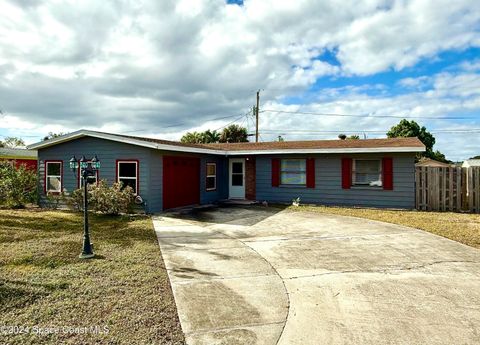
point(447, 189)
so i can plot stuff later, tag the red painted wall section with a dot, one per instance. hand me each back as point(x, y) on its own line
point(310, 172)
point(346, 173)
point(30, 164)
point(387, 171)
point(181, 181)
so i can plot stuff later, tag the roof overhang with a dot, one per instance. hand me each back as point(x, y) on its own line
point(190, 149)
point(131, 141)
point(19, 158)
point(332, 150)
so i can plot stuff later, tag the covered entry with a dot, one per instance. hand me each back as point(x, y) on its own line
point(181, 181)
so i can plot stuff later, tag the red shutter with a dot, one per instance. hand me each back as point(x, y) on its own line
point(311, 173)
point(346, 173)
point(275, 172)
point(387, 172)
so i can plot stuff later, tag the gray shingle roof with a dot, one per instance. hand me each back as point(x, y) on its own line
point(17, 153)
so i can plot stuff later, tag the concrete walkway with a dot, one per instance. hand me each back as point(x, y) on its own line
point(255, 275)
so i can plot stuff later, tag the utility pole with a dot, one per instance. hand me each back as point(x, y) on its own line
point(256, 116)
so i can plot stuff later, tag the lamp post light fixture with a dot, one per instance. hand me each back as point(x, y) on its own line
point(86, 169)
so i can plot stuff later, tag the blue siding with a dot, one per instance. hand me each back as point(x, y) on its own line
point(155, 202)
point(150, 163)
point(108, 152)
point(327, 175)
point(328, 188)
point(208, 197)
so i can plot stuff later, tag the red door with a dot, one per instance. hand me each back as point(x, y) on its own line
point(181, 181)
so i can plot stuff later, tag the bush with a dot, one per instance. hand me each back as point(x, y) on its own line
point(53, 200)
point(75, 200)
point(18, 186)
point(104, 199)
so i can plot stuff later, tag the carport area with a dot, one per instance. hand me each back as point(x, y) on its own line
point(263, 275)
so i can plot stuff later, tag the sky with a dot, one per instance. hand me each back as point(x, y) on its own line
point(162, 68)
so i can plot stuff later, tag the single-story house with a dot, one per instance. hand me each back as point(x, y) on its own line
point(19, 157)
point(432, 163)
point(471, 163)
point(168, 174)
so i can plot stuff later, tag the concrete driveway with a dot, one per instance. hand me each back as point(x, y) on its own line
point(255, 275)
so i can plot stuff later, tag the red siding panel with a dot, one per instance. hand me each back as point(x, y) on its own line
point(310, 172)
point(29, 164)
point(346, 173)
point(275, 172)
point(387, 171)
point(181, 181)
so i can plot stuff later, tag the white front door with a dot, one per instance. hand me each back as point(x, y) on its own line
point(237, 178)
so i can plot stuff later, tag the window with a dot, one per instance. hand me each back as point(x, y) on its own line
point(211, 179)
point(237, 174)
point(127, 174)
point(90, 179)
point(293, 172)
point(53, 176)
point(367, 172)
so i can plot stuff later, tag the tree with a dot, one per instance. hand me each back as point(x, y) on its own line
point(234, 134)
point(12, 142)
point(475, 157)
point(52, 135)
point(201, 137)
point(407, 128)
point(210, 136)
point(191, 138)
point(18, 186)
point(354, 137)
point(280, 138)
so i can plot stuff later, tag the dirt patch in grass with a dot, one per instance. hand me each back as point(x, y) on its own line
point(460, 227)
point(43, 284)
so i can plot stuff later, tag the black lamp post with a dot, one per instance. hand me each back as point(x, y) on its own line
point(86, 170)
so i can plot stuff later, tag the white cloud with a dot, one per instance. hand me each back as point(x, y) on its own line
point(143, 66)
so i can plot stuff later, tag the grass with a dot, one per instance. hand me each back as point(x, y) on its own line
point(460, 227)
point(43, 284)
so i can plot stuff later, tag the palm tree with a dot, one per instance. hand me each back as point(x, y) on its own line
point(210, 136)
point(234, 134)
point(192, 138)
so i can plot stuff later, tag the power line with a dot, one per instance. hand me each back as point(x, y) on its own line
point(183, 123)
point(238, 118)
point(365, 115)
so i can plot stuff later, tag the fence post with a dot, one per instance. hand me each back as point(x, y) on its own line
point(450, 189)
point(417, 188)
point(477, 189)
point(464, 189)
point(470, 188)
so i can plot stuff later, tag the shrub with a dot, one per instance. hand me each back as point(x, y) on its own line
point(18, 186)
point(75, 200)
point(104, 199)
point(53, 200)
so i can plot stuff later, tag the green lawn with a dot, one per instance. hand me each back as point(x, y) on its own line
point(43, 284)
point(460, 227)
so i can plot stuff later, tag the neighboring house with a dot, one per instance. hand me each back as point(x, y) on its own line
point(19, 157)
point(427, 162)
point(471, 163)
point(167, 174)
